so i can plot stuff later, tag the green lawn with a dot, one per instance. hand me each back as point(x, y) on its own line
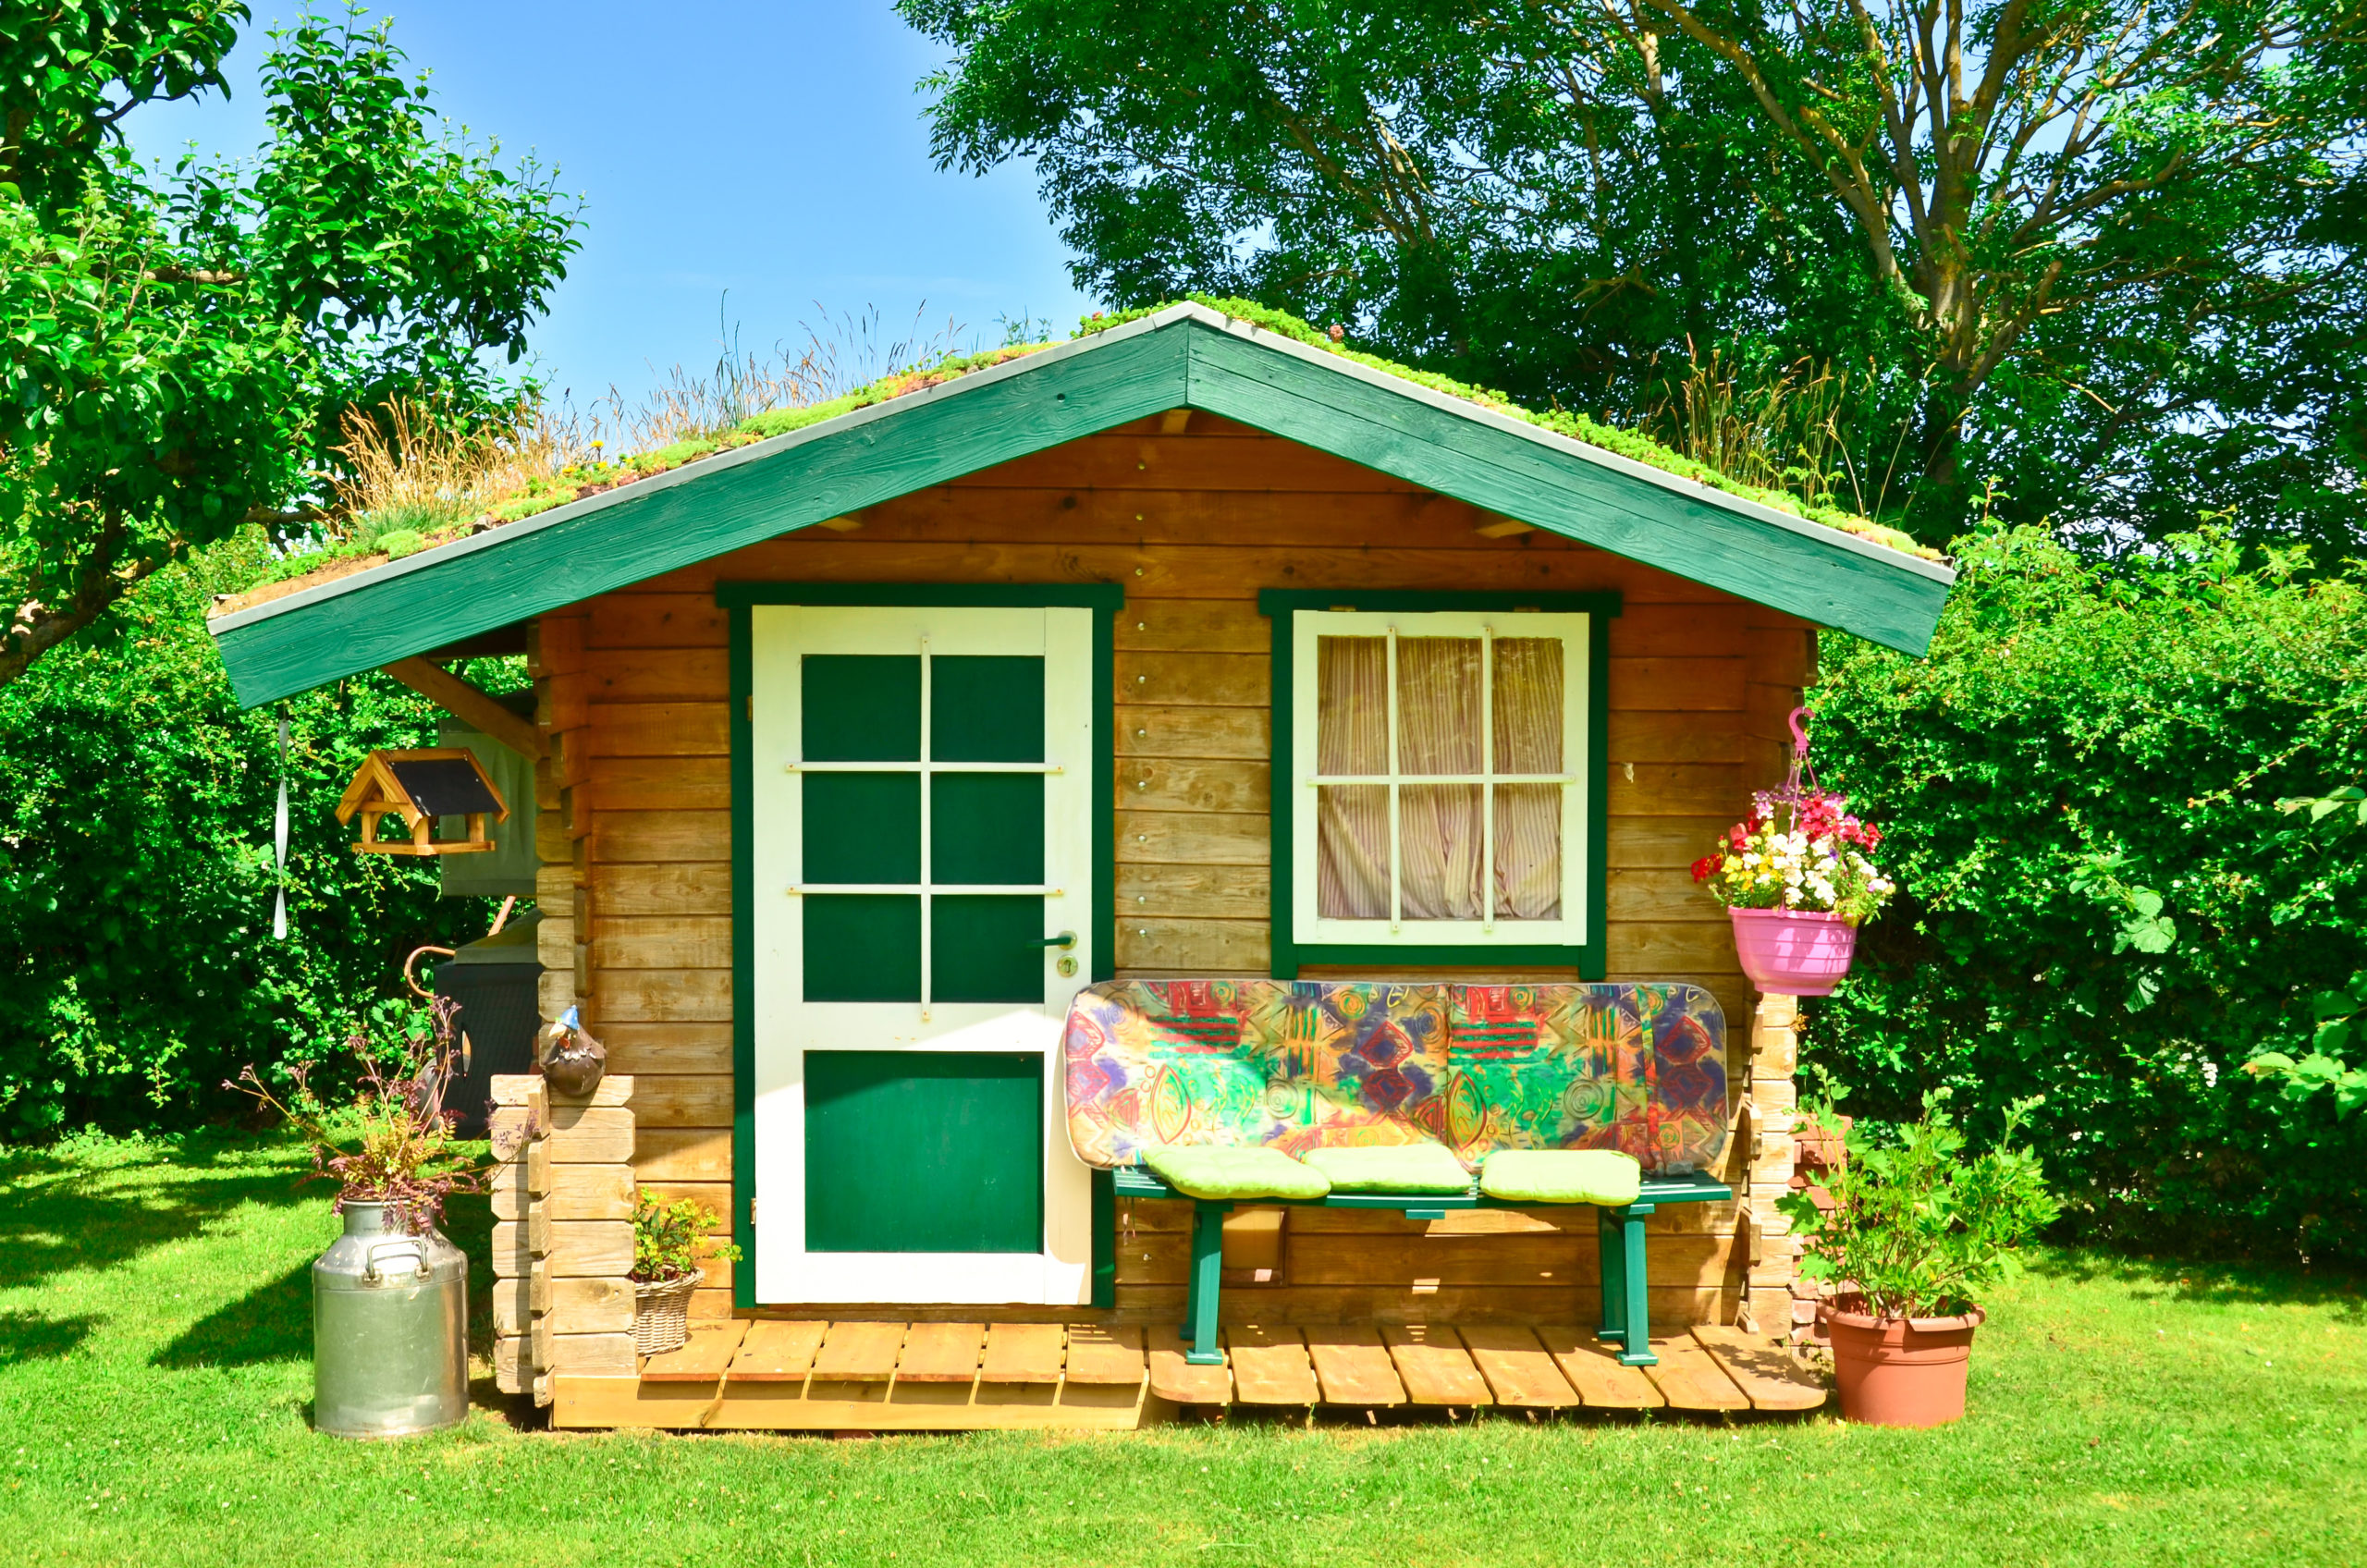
point(154, 1381)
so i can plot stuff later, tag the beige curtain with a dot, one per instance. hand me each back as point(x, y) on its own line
point(1528, 740)
point(1440, 842)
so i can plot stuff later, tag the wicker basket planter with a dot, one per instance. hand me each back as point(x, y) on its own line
point(661, 1313)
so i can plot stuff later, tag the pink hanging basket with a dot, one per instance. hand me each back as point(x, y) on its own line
point(1794, 953)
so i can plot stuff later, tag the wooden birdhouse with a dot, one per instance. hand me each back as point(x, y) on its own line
point(419, 787)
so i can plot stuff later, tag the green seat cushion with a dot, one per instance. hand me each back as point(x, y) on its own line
point(1598, 1176)
point(1402, 1168)
point(1208, 1171)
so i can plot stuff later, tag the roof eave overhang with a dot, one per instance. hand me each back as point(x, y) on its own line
point(1186, 356)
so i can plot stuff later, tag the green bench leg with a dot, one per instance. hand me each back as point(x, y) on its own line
point(1207, 1284)
point(1626, 1309)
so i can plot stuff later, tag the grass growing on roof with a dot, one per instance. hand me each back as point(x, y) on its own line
point(544, 489)
point(153, 1380)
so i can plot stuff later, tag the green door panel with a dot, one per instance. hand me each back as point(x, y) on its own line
point(987, 948)
point(986, 708)
point(863, 947)
point(861, 708)
point(862, 828)
point(923, 1151)
point(986, 828)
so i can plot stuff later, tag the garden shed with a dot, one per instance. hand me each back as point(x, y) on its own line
point(1185, 728)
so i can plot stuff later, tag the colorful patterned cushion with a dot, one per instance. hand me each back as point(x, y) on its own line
point(1407, 1168)
point(1235, 1173)
point(1315, 1064)
point(1598, 1176)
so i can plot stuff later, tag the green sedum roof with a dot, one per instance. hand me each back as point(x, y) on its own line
point(605, 527)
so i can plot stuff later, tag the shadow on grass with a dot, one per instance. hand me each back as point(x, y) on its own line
point(65, 1214)
point(2216, 1284)
point(28, 1336)
point(273, 1322)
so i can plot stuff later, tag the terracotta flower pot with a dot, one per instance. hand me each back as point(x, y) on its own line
point(1900, 1371)
point(1794, 953)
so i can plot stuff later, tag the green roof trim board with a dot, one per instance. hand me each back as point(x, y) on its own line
point(1186, 356)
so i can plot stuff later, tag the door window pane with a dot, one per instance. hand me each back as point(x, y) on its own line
point(986, 708)
point(862, 828)
point(984, 947)
point(923, 1151)
point(863, 948)
point(986, 828)
point(861, 707)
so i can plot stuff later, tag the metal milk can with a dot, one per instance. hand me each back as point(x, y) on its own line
point(390, 1330)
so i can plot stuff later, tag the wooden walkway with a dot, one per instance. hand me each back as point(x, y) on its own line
point(815, 1376)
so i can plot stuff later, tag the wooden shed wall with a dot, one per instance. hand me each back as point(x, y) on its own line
point(1193, 515)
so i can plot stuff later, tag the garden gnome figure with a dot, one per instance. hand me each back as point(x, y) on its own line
point(571, 1058)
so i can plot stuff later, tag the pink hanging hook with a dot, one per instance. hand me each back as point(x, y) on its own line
point(1799, 735)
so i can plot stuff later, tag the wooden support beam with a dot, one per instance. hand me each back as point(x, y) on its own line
point(467, 704)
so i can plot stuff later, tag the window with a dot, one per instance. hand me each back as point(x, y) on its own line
point(1437, 792)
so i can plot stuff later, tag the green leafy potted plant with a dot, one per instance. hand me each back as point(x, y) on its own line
point(669, 1239)
point(1916, 1236)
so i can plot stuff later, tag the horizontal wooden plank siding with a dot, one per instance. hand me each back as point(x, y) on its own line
point(1192, 523)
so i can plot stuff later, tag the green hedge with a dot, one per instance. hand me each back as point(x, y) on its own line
point(2101, 903)
point(137, 966)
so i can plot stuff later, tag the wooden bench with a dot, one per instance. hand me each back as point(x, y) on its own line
point(1302, 1065)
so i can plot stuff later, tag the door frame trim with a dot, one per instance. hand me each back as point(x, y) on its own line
point(1105, 600)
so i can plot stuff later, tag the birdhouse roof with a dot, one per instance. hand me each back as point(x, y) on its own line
point(438, 782)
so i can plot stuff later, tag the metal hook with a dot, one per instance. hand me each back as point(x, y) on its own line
point(1799, 735)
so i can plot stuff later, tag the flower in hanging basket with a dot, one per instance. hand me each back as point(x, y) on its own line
point(1801, 852)
point(1798, 878)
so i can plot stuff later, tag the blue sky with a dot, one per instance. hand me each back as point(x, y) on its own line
point(777, 150)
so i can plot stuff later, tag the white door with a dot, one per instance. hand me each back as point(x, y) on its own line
point(923, 851)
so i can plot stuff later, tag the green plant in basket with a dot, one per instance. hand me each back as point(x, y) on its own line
point(1917, 1228)
point(670, 1239)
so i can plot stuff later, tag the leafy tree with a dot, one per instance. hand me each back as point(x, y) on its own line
point(2097, 261)
point(179, 351)
point(137, 968)
point(2099, 900)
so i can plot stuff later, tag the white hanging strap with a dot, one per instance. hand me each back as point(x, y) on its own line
point(279, 846)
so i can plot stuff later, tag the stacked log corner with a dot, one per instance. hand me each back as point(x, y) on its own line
point(1768, 1127)
point(562, 812)
point(562, 1235)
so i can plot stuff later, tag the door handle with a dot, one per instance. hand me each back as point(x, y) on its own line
point(1066, 939)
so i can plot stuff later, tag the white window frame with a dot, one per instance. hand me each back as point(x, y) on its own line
point(1575, 631)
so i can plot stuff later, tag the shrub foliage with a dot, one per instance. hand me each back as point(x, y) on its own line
point(2101, 903)
point(136, 874)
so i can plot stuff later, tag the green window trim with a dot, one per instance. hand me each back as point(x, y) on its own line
point(1105, 600)
point(1587, 957)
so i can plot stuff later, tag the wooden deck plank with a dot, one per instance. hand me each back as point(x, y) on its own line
point(1767, 1373)
point(1023, 1353)
point(940, 1352)
point(1593, 1369)
point(1177, 1380)
point(1433, 1365)
point(859, 1353)
point(1110, 1354)
point(776, 1353)
point(1352, 1363)
point(700, 1359)
point(1269, 1365)
point(1517, 1367)
point(1689, 1379)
